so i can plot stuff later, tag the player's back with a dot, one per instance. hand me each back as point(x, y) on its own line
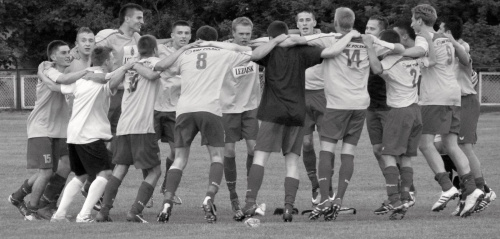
point(439, 85)
point(402, 75)
point(202, 72)
point(464, 74)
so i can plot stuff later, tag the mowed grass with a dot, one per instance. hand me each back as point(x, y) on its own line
point(365, 193)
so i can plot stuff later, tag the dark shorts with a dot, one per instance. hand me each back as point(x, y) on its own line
point(402, 131)
point(164, 126)
point(115, 110)
point(141, 150)
point(240, 126)
point(315, 109)
point(469, 116)
point(345, 125)
point(90, 158)
point(440, 119)
point(274, 137)
point(44, 152)
point(210, 126)
point(375, 120)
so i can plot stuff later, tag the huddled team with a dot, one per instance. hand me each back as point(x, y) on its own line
point(123, 92)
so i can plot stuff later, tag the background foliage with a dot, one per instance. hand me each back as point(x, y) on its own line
point(26, 26)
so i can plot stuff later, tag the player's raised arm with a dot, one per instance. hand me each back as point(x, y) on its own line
point(340, 45)
point(375, 64)
point(226, 45)
point(169, 60)
point(261, 51)
point(118, 75)
point(460, 51)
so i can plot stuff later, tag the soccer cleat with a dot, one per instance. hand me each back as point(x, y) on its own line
point(235, 206)
point(57, 219)
point(261, 210)
point(316, 199)
point(488, 198)
point(20, 205)
point(150, 203)
point(84, 219)
point(131, 217)
point(165, 213)
point(32, 216)
point(400, 209)
point(319, 210)
point(471, 202)
point(447, 196)
point(387, 206)
point(288, 215)
point(45, 213)
point(103, 216)
point(333, 212)
point(210, 211)
point(459, 208)
point(98, 204)
point(177, 200)
point(281, 210)
point(413, 199)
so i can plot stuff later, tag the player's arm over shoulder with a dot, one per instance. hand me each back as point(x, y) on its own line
point(145, 69)
point(419, 50)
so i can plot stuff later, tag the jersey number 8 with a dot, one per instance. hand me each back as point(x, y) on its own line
point(201, 63)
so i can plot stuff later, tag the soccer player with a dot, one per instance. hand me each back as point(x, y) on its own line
point(88, 128)
point(440, 101)
point(315, 105)
point(203, 71)
point(240, 97)
point(168, 94)
point(469, 114)
point(403, 126)
point(136, 142)
point(406, 32)
point(346, 77)
point(47, 125)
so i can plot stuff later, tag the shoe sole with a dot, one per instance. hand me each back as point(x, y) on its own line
point(443, 206)
point(332, 214)
point(211, 209)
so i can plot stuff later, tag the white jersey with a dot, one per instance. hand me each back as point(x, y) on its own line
point(346, 75)
point(169, 89)
point(241, 89)
point(464, 74)
point(314, 78)
point(89, 120)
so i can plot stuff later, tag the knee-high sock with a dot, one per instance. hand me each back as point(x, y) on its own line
point(345, 174)
point(444, 181)
point(168, 164)
point(406, 182)
point(110, 191)
point(52, 190)
point(24, 190)
point(231, 176)
point(143, 195)
point(96, 190)
point(325, 173)
point(249, 163)
point(469, 184)
point(254, 181)
point(173, 180)
point(69, 194)
point(480, 183)
point(214, 179)
point(291, 187)
point(391, 175)
point(309, 158)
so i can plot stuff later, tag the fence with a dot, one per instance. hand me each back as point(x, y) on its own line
point(488, 89)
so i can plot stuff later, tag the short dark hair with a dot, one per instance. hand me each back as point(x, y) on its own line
point(306, 10)
point(390, 36)
point(53, 46)
point(126, 9)
point(99, 55)
point(406, 26)
point(455, 25)
point(382, 21)
point(277, 28)
point(147, 45)
point(180, 23)
point(207, 33)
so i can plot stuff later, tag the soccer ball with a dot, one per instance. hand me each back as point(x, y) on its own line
point(252, 222)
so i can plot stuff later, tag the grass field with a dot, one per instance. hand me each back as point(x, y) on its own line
point(365, 193)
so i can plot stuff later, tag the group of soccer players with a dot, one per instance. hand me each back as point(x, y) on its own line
point(104, 105)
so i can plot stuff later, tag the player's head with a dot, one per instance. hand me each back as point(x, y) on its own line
point(85, 40)
point(452, 25)
point(58, 52)
point(147, 46)
point(101, 56)
point(390, 36)
point(423, 15)
point(181, 33)
point(277, 28)
point(343, 20)
point(242, 30)
point(207, 33)
point(375, 25)
point(306, 21)
point(131, 15)
point(406, 32)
